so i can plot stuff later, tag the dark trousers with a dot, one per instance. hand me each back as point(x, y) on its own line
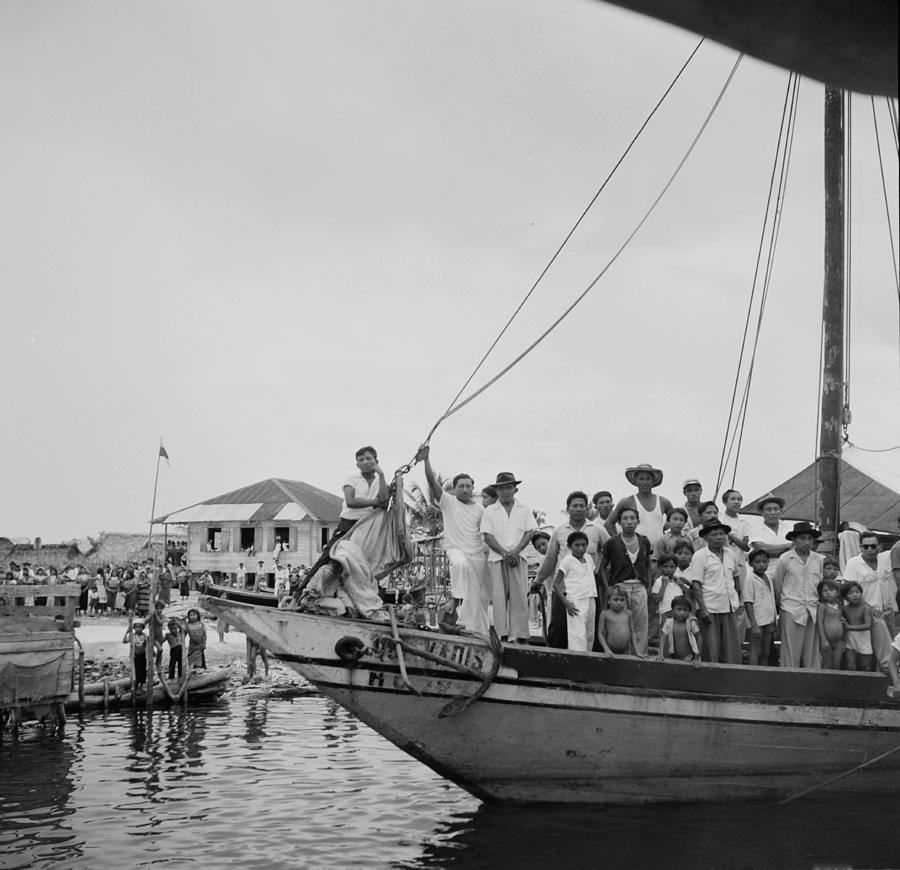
point(175, 662)
point(557, 630)
point(720, 639)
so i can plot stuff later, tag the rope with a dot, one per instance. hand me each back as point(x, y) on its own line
point(872, 450)
point(460, 405)
point(565, 240)
point(892, 114)
point(840, 776)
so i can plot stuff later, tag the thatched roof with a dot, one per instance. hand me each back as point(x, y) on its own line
point(271, 499)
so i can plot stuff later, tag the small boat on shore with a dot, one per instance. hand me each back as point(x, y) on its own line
point(115, 694)
point(519, 724)
point(245, 596)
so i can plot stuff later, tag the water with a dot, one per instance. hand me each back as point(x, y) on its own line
point(295, 781)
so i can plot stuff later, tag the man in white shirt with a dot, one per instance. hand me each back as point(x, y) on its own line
point(463, 543)
point(507, 526)
point(866, 570)
point(363, 491)
point(771, 535)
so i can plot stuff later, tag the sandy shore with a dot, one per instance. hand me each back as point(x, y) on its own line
point(106, 655)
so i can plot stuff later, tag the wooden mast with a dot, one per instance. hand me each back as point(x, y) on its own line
point(829, 460)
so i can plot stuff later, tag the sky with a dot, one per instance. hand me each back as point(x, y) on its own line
point(271, 233)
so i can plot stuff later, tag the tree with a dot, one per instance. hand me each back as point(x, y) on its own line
point(423, 515)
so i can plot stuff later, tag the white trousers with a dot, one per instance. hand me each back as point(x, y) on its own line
point(581, 625)
point(468, 582)
point(510, 604)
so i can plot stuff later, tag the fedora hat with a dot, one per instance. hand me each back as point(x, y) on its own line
point(803, 528)
point(632, 473)
point(505, 478)
point(706, 528)
point(760, 502)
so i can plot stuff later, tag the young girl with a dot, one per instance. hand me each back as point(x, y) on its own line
point(135, 635)
point(680, 635)
point(615, 627)
point(196, 633)
point(173, 638)
point(857, 619)
point(830, 624)
point(674, 535)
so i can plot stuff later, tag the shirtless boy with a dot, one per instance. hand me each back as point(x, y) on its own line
point(615, 627)
point(680, 635)
point(829, 624)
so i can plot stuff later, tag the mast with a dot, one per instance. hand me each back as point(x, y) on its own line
point(828, 497)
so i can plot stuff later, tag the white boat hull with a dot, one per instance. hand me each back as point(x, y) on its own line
point(539, 739)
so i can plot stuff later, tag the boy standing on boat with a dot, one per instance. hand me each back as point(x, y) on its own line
point(798, 573)
point(716, 584)
point(507, 527)
point(463, 543)
point(626, 562)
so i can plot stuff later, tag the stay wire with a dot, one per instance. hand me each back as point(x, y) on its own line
point(770, 266)
point(762, 236)
point(848, 255)
point(567, 237)
point(892, 114)
point(460, 405)
point(887, 208)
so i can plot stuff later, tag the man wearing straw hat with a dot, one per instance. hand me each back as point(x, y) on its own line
point(652, 510)
point(507, 526)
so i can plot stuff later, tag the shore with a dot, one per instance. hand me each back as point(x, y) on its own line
point(105, 655)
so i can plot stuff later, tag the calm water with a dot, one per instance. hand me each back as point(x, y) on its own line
point(297, 782)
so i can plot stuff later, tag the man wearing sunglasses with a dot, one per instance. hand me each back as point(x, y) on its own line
point(864, 569)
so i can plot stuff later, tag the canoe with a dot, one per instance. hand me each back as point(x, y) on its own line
point(592, 729)
point(202, 685)
point(246, 596)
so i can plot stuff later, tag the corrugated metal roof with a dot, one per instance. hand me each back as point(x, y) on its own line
point(267, 498)
point(870, 490)
point(207, 513)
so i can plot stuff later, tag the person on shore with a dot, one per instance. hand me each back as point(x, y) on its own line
point(558, 549)
point(615, 628)
point(575, 585)
point(254, 650)
point(653, 510)
point(716, 585)
point(173, 638)
point(196, 636)
point(693, 492)
point(858, 652)
point(464, 544)
point(771, 535)
point(758, 597)
point(240, 577)
point(625, 562)
point(138, 640)
point(679, 637)
point(507, 526)
point(830, 624)
point(796, 582)
point(184, 584)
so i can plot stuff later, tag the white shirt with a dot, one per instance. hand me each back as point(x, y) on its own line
point(758, 591)
point(650, 523)
point(507, 528)
point(462, 524)
point(597, 536)
point(888, 584)
point(856, 569)
point(765, 535)
point(672, 591)
point(716, 576)
point(361, 489)
point(578, 577)
point(741, 527)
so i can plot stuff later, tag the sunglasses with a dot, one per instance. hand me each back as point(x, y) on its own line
point(869, 546)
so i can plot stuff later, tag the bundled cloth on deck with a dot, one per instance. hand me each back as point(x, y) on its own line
point(372, 549)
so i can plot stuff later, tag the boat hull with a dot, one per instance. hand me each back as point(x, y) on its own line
point(558, 728)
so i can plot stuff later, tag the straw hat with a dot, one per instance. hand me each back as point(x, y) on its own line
point(632, 472)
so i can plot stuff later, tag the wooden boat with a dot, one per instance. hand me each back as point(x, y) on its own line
point(520, 724)
point(246, 596)
point(202, 685)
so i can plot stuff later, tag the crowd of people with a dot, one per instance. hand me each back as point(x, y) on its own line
point(697, 582)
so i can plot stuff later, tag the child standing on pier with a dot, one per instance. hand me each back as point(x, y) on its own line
point(138, 640)
point(173, 638)
point(196, 634)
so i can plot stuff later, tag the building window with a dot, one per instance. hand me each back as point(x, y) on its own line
point(214, 539)
point(282, 536)
point(248, 536)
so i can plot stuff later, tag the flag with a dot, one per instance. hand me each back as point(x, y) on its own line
point(162, 452)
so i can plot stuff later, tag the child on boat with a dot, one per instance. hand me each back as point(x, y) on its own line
point(758, 597)
point(138, 640)
point(830, 623)
point(857, 619)
point(196, 635)
point(679, 637)
point(667, 586)
point(831, 570)
point(173, 637)
point(673, 536)
point(615, 627)
point(577, 588)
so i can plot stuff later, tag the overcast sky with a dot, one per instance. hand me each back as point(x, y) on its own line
point(273, 232)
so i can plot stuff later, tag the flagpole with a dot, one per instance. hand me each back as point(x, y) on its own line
point(155, 484)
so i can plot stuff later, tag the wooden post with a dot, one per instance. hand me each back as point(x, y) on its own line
point(151, 651)
point(828, 498)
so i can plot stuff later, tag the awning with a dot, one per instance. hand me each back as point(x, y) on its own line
point(213, 513)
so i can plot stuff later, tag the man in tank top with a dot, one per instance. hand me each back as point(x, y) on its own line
point(653, 510)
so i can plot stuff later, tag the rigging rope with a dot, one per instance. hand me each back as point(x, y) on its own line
point(566, 239)
point(789, 99)
point(460, 405)
point(892, 114)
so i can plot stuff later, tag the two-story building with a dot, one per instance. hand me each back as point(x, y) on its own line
point(287, 520)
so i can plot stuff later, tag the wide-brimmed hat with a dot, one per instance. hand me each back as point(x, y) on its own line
point(631, 473)
point(803, 528)
point(706, 528)
point(760, 502)
point(691, 481)
point(505, 478)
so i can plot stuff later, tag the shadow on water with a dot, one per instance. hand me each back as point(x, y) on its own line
point(835, 832)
